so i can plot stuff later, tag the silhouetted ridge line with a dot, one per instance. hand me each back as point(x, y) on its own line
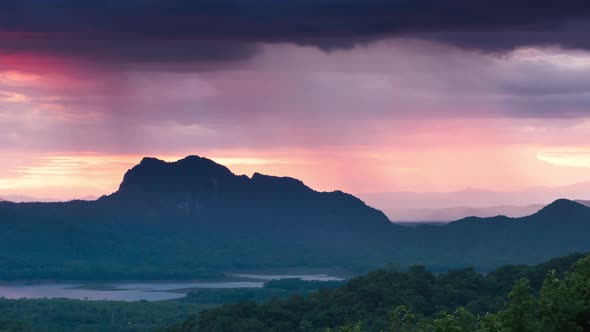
point(562, 206)
point(194, 217)
point(210, 192)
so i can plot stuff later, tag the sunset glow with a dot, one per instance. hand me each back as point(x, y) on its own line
point(394, 114)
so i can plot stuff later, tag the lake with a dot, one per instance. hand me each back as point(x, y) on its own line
point(148, 291)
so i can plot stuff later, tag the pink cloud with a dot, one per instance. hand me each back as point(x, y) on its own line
point(392, 115)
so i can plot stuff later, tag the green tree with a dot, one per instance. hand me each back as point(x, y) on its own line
point(520, 314)
point(403, 319)
point(461, 321)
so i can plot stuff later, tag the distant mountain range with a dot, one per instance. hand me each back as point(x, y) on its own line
point(454, 213)
point(448, 206)
point(459, 212)
point(31, 199)
point(195, 218)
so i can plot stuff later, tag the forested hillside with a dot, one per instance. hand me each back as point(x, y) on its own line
point(554, 296)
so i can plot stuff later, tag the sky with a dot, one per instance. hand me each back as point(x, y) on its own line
point(365, 96)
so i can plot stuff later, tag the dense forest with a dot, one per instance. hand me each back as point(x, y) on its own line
point(551, 296)
point(554, 296)
point(63, 315)
point(283, 288)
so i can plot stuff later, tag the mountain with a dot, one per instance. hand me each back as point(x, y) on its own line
point(23, 199)
point(198, 190)
point(31, 199)
point(406, 216)
point(408, 206)
point(563, 209)
point(194, 218)
point(459, 212)
point(186, 219)
point(558, 227)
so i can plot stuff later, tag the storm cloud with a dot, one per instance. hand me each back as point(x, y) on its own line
point(228, 30)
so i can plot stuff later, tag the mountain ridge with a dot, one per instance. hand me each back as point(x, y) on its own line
point(406, 206)
point(557, 210)
point(195, 218)
point(203, 168)
point(197, 185)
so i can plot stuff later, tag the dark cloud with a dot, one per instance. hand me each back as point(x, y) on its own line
point(182, 30)
point(129, 50)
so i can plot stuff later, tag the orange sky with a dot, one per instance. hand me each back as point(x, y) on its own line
point(356, 170)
